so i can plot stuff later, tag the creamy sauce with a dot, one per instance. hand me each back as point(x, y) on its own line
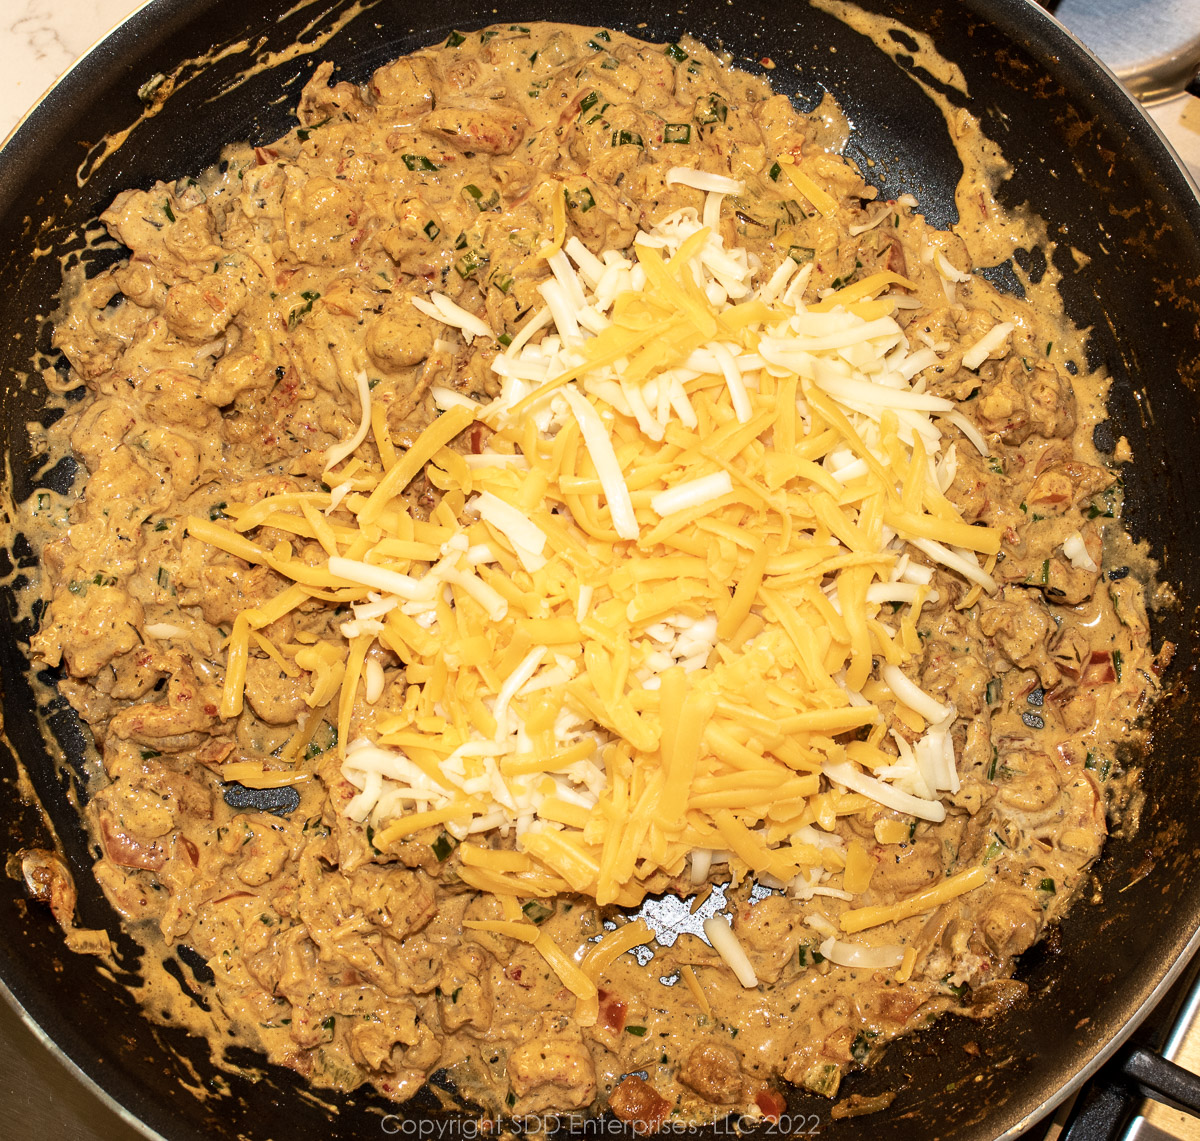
point(208, 361)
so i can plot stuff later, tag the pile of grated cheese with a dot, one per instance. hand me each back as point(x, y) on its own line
point(640, 630)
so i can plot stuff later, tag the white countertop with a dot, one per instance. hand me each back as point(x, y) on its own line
point(40, 39)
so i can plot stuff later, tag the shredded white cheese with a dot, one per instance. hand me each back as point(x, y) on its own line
point(846, 954)
point(988, 345)
point(726, 944)
point(1076, 550)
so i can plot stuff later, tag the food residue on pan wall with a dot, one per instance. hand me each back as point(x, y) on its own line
point(158, 89)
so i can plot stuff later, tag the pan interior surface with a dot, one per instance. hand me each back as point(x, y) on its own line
point(1126, 232)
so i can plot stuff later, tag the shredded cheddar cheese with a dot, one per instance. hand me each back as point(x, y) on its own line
point(637, 623)
point(862, 918)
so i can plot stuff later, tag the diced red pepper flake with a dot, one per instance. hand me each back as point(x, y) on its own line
point(612, 1012)
point(771, 1102)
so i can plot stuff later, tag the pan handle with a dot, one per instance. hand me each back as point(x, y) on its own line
point(1162, 1080)
point(1107, 1104)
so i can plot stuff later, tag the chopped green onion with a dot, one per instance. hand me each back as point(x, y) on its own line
point(443, 846)
point(995, 689)
point(636, 1031)
point(455, 40)
point(303, 133)
point(418, 162)
point(610, 64)
point(1048, 885)
point(581, 200)
point(710, 109)
point(775, 171)
point(166, 209)
point(1118, 661)
point(801, 254)
point(469, 263)
point(588, 102)
point(503, 282)
point(432, 229)
point(536, 911)
point(861, 1046)
point(676, 53)
point(677, 133)
point(960, 989)
point(491, 202)
point(626, 138)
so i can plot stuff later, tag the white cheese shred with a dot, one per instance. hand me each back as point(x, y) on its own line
point(599, 446)
point(702, 180)
point(693, 493)
point(844, 773)
point(441, 308)
point(339, 452)
point(989, 343)
point(845, 954)
point(726, 944)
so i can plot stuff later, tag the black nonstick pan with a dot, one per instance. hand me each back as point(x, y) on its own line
point(1084, 158)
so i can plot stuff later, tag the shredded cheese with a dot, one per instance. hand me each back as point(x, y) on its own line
point(988, 344)
point(639, 619)
point(727, 945)
point(820, 198)
point(339, 452)
point(864, 917)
